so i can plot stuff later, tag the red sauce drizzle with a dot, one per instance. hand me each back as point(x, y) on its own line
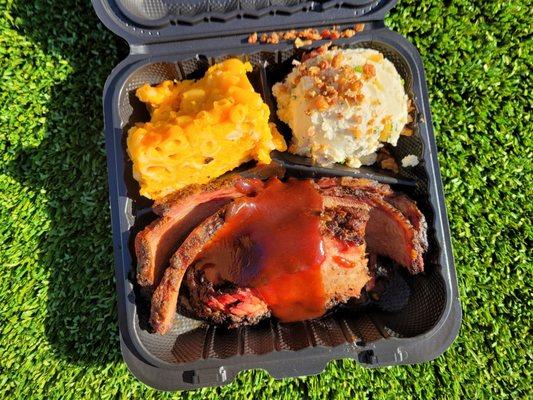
point(272, 243)
point(249, 186)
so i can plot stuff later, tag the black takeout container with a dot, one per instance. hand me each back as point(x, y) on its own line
point(417, 317)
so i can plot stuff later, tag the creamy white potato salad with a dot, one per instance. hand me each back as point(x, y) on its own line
point(343, 105)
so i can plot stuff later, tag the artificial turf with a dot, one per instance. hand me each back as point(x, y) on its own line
point(58, 317)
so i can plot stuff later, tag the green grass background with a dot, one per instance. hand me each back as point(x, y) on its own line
point(58, 323)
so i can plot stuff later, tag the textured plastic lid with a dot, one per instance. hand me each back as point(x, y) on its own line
point(156, 21)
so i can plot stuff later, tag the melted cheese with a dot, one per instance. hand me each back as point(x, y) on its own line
point(200, 129)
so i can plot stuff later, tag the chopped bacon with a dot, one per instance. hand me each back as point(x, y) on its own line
point(305, 36)
point(369, 71)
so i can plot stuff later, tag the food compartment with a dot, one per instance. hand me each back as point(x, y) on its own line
point(409, 306)
point(276, 72)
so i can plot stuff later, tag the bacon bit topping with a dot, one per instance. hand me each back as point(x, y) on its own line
point(335, 35)
point(386, 161)
point(369, 71)
point(321, 103)
point(329, 88)
point(305, 36)
point(316, 52)
point(299, 42)
point(290, 35)
point(323, 64)
point(337, 59)
point(357, 85)
point(348, 33)
point(326, 34)
point(273, 38)
point(252, 38)
point(410, 106)
point(407, 132)
point(390, 164)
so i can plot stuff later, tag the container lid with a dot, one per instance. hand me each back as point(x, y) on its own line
point(156, 21)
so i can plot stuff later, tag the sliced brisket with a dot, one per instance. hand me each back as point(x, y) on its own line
point(158, 241)
point(180, 213)
point(409, 209)
point(225, 304)
point(165, 297)
point(221, 187)
point(396, 227)
point(359, 216)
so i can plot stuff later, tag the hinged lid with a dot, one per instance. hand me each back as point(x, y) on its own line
point(156, 21)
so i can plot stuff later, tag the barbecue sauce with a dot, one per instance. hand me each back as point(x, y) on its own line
point(249, 186)
point(272, 244)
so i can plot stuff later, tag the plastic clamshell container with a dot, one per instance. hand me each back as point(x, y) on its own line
point(415, 320)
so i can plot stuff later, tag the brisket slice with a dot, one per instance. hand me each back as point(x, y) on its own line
point(221, 187)
point(345, 186)
point(180, 213)
point(221, 304)
point(217, 300)
point(343, 234)
point(158, 241)
point(389, 233)
point(409, 209)
point(396, 228)
point(165, 297)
